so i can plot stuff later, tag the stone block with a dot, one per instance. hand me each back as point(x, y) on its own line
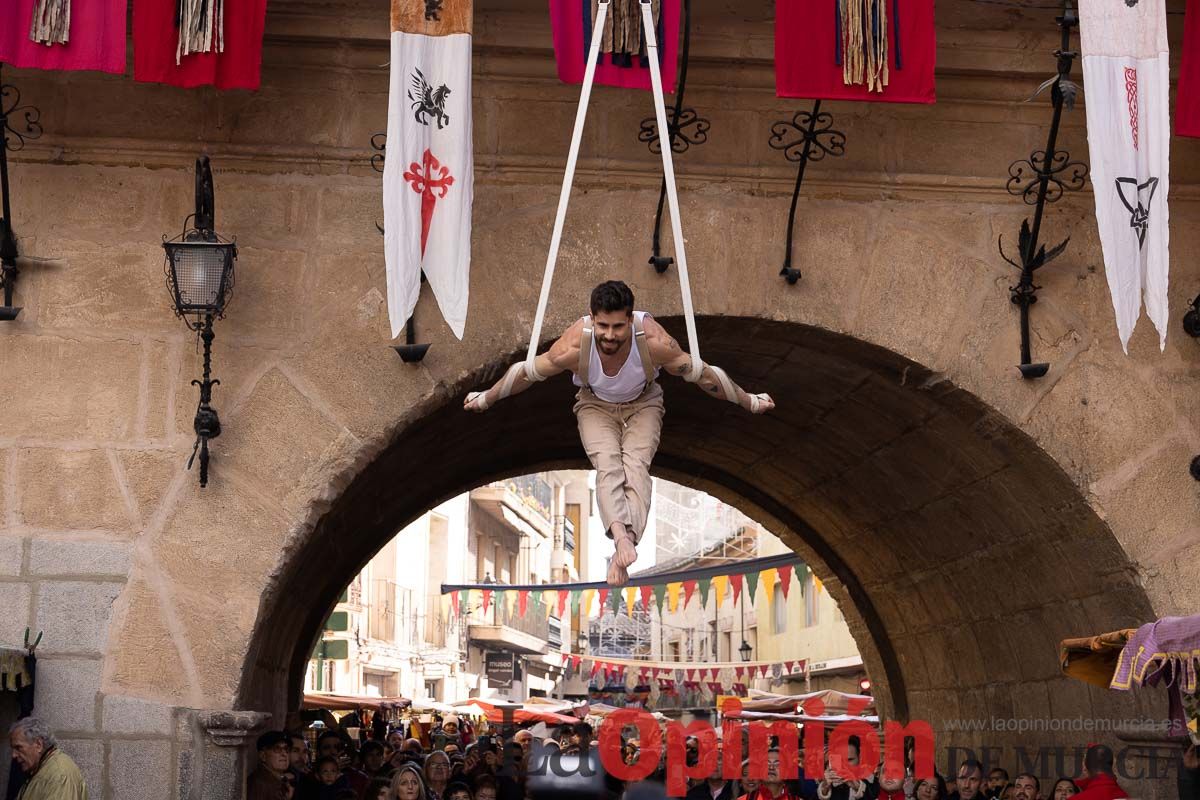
point(88, 755)
point(14, 599)
point(65, 694)
point(102, 374)
point(270, 299)
point(134, 715)
point(141, 769)
point(11, 553)
point(144, 655)
point(75, 615)
point(65, 489)
point(148, 474)
point(79, 558)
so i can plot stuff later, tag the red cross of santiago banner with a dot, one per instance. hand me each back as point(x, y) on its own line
point(1126, 72)
point(428, 175)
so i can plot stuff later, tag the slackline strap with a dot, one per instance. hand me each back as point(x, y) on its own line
point(589, 75)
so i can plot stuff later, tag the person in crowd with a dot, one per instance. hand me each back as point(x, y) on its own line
point(714, 787)
point(523, 737)
point(330, 778)
point(749, 786)
point(395, 740)
point(437, 774)
point(50, 774)
point(969, 784)
point(931, 788)
point(380, 789)
point(451, 749)
point(274, 761)
point(1065, 789)
point(833, 786)
point(1189, 774)
point(485, 788)
point(581, 737)
point(458, 791)
point(374, 761)
point(407, 784)
point(1098, 781)
point(996, 781)
point(773, 786)
point(1027, 787)
point(890, 788)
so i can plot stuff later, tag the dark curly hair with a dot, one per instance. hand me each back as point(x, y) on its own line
point(611, 296)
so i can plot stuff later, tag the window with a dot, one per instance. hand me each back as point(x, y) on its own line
point(810, 601)
point(778, 611)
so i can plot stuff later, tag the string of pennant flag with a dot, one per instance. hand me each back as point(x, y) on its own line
point(669, 673)
point(666, 590)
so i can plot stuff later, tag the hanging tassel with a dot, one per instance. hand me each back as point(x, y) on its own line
point(51, 23)
point(863, 36)
point(201, 27)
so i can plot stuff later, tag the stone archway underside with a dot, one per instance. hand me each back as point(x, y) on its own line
point(960, 552)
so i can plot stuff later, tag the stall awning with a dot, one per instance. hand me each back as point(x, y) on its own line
point(834, 702)
point(1093, 659)
point(350, 702)
point(530, 712)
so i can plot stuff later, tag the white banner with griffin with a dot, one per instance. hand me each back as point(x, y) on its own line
point(428, 175)
point(1126, 80)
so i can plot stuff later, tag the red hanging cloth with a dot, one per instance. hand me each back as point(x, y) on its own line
point(238, 66)
point(1187, 99)
point(95, 38)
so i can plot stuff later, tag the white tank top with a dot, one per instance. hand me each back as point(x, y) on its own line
point(630, 380)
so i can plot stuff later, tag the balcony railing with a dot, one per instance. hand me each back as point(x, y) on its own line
point(534, 491)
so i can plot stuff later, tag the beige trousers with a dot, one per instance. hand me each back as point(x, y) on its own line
point(620, 440)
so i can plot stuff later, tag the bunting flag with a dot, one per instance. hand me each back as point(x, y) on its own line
point(691, 673)
point(630, 598)
point(233, 59)
point(735, 581)
point(751, 585)
point(762, 670)
point(704, 584)
point(94, 30)
point(614, 601)
point(487, 599)
point(510, 602)
point(603, 592)
point(1126, 70)
point(454, 596)
point(818, 587)
point(785, 579)
point(769, 576)
point(716, 688)
point(548, 598)
point(673, 596)
point(645, 592)
point(821, 52)
point(660, 594)
point(575, 598)
point(563, 594)
point(588, 594)
point(522, 601)
point(622, 51)
point(447, 601)
point(428, 175)
point(466, 600)
point(575, 662)
point(1187, 95)
point(689, 588)
point(719, 583)
point(595, 668)
point(740, 671)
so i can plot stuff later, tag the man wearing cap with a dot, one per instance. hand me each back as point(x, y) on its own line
point(274, 757)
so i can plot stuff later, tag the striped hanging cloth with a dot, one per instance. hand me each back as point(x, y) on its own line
point(51, 23)
point(201, 26)
point(863, 43)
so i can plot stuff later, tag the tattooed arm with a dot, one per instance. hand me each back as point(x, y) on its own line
point(667, 354)
point(561, 356)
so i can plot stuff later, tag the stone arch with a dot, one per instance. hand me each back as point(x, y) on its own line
point(958, 549)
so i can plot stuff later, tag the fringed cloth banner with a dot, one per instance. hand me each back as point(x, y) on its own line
point(1187, 98)
point(1166, 652)
point(168, 49)
point(881, 50)
point(63, 34)
point(623, 48)
point(428, 176)
point(1126, 70)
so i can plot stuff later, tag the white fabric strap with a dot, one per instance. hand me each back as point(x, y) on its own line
point(589, 76)
point(510, 378)
point(479, 399)
point(664, 141)
point(564, 195)
point(531, 373)
point(726, 384)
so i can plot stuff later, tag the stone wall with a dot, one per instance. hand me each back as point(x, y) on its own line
point(159, 599)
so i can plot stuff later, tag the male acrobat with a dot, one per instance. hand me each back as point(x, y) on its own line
point(615, 354)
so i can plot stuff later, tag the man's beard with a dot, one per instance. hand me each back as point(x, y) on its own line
point(610, 347)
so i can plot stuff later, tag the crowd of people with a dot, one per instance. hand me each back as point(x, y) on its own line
point(453, 764)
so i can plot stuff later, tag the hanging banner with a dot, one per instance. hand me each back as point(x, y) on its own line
point(821, 52)
point(622, 50)
point(1187, 95)
point(499, 668)
point(428, 175)
point(1127, 74)
point(232, 58)
point(94, 33)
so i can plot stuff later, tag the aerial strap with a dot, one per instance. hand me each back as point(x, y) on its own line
point(665, 139)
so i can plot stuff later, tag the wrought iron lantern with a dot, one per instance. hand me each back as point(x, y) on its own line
point(745, 650)
point(199, 271)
